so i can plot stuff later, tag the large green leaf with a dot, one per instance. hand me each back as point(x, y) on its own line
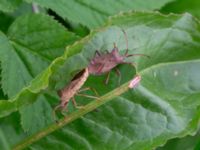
point(3, 142)
point(93, 13)
point(144, 118)
point(33, 41)
point(10, 131)
point(9, 5)
point(165, 105)
point(186, 143)
point(181, 6)
point(36, 116)
point(5, 21)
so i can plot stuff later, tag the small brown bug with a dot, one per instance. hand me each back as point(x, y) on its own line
point(104, 63)
point(72, 89)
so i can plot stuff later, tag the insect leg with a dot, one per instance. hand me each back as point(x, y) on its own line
point(89, 96)
point(119, 75)
point(97, 53)
point(130, 63)
point(54, 111)
point(107, 78)
point(84, 89)
point(107, 51)
point(95, 91)
point(100, 67)
point(114, 45)
point(89, 88)
point(129, 55)
point(75, 104)
point(126, 38)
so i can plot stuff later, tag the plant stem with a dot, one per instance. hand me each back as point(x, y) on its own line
point(73, 116)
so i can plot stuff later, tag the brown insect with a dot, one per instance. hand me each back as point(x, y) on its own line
point(72, 89)
point(100, 64)
point(104, 63)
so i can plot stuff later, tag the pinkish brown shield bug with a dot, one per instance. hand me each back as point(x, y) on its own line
point(104, 63)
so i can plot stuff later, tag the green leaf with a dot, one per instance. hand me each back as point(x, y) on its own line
point(36, 116)
point(33, 41)
point(3, 142)
point(94, 13)
point(5, 21)
point(181, 6)
point(165, 105)
point(24, 8)
point(2, 96)
point(186, 143)
point(10, 131)
point(9, 5)
point(140, 119)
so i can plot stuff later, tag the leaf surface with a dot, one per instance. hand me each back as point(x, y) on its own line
point(32, 42)
point(187, 143)
point(94, 13)
point(166, 103)
point(9, 5)
point(5, 21)
point(181, 6)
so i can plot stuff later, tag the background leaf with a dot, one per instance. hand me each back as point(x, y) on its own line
point(36, 116)
point(10, 131)
point(94, 13)
point(9, 5)
point(33, 42)
point(181, 6)
point(39, 40)
point(3, 142)
point(5, 21)
point(186, 143)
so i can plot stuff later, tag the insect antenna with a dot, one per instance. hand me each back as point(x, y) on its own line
point(126, 39)
point(126, 53)
point(129, 55)
point(114, 44)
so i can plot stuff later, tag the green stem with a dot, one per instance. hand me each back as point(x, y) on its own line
point(73, 116)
